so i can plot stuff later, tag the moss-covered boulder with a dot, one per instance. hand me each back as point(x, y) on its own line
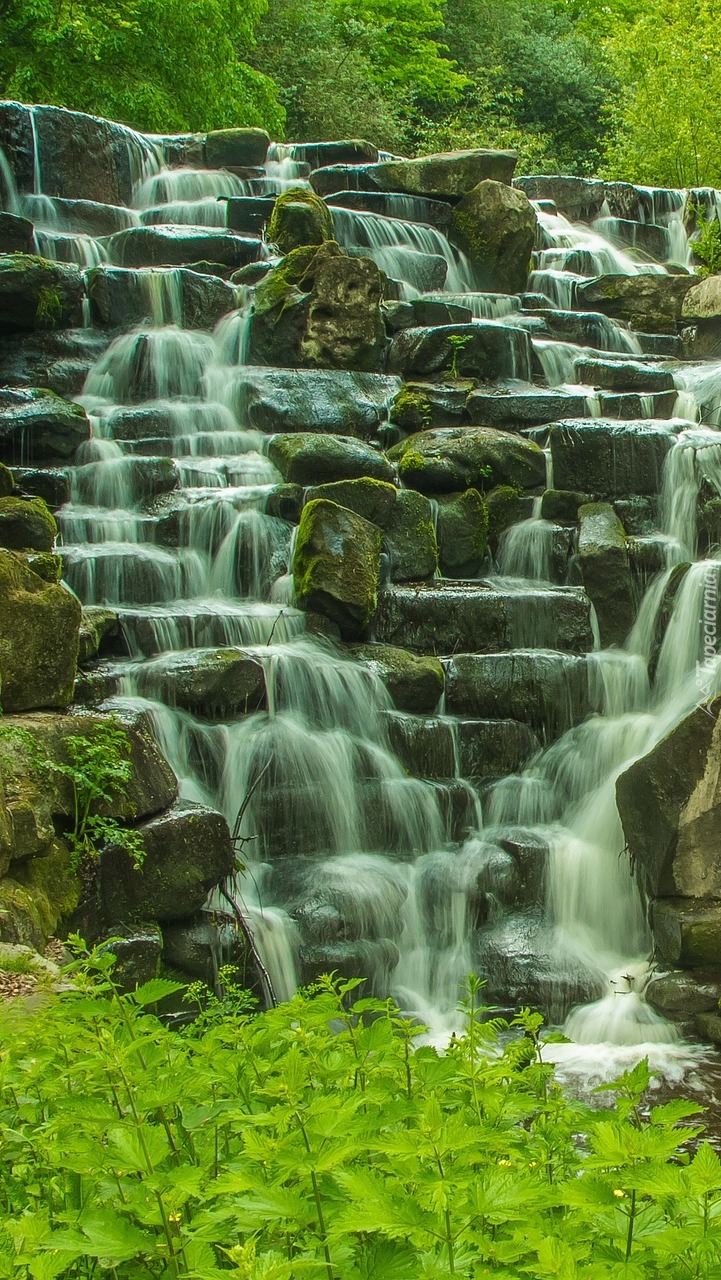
point(410, 538)
point(236, 148)
point(99, 628)
point(38, 294)
point(177, 246)
point(213, 683)
point(306, 459)
point(319, 308)
point(462, 532)
point(650, 303)
point(496, 226)
point(372, 499)
point(507, 505)
point(602, 565)
point(418, 406)
point(687, 932)
point(40, 426)
point(26, 524)
point(415, 683)
point(7, 481)
point(39, 627)
point(480, 350)
point(450, 459)
point(336, 565)
point(299, 217)
point(446, 175)
point(560, 506)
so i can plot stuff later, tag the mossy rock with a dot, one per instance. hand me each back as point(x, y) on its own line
point(299, 217)
point(462, 533)
point(7, 482)
point(39, 629)
point(447, 460)
point(26, 916)
point(560, 506)
point(336, 565)
point(602, 565)
point(26, 524)
point(98, 626)
point(507, 506)
point(416, 683)
point(38, 294)
point(305, 458)
point(372, 499)
point(236, 148)
point(411, 410)
point(496, 226)
point(52, 879)
point(38, 426)
point(410, 538)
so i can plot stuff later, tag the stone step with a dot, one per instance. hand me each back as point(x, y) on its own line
point(211, 623)
point(483, 617)
point(586, 328)
point(434, 213)
point(652, 241)
point(479, 350)
point(344, 151)
point(630, 405)
point(443, 746)
point(529, 407)
point(248, 214)
point(611, 459)
point(547, 691)
point(180, 245)
point(121, 297)
point(623, 375)
point(325, 401)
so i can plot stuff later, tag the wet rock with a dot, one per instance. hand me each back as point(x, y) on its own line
point(26, 524)
point(680, 994)
point(54, 359)
point(16, 234)
point(496, 227)
point(299, 218)
point(507, 506)
point(336, 401)
point(374, 958)
point(462, 531)
point(285, 502)
point(414, 683)
point(669, 802)
point(249, 215)
point(424, 745)
point(547, 691)
point(317, 459)
point(213, 683)
point(372, 499)
point(447, 460)
point(99, 627)
point(175, 246)
point(319, 308)
point(602, 566)
point(38, 294)
point(38, 426)
point(579, 198)
point(7, 483)
point(336, 565)
point(137, 955)
point(39, 625)
point(560, 506)
point(84, 217)
point(651, 240)
point(478, 350)
point(344, 151)
point(626, 201)
point(532, 408)
point(520, 962)
point(421, 405)
point(121, 298)
point(668, 345)
point(623, 375)
point(614, 459)
point(445, 176)
point(632, 406)
point(187, 852)
point(652, 303)
point(489, 749)
point(236, 148)
point(410, 538)
point(476, 617)
point(392, 205)
point(48, 483)
point(687, 932)
point(198, 948)
point(701, 341)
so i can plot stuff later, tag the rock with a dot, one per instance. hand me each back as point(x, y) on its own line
point(39, 625)
point(336, 401)
point(462, 530)
point(212, 683)
point(285, 502)
point(652, 303)
point(623, 375)
point(336, 566)
point(319, 308)
point(187, 852)
point(681, 994)
point(176, 246)
point(425, 746)
point(687, 932)
point(512, 409)
point(346, 151)
point(507, 506)
point(447, 460)
point(480, 350)
point(421, 405)
point(650, 240)
point(249, 215)
point(669, 802)
point(372, 499)
point(236, 148)
point(194, 948)
point(560, 506)
point(547, 691)
point(50, 484)
point(43, 892)
point(38, 294)
point(26, 524)
point(414, 683)
point(626, 201)
point(85, 217)
point(436, 213)
point(7, 483)
point(16, 234)
point(445, 176)
point(375, 957)
point(54, 359)
point(703, 300)
point(307, 459)
point(299, 218)
point(614, 459)
point(602, 565)
point(410, 538)
point(137, 955)
point(491, 749)
point(709, 1026)
point(98, 625)
point(39, 426)
point(579, 198)
point(496, 227)
point(121, 298)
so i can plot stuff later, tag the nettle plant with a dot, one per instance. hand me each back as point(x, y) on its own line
point(321, 1139)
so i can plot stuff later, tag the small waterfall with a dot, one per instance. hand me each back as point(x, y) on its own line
point(400, 249)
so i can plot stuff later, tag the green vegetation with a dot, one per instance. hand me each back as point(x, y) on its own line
point(319, 1139)
point(707, 244)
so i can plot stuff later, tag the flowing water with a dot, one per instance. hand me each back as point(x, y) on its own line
point(352, 860)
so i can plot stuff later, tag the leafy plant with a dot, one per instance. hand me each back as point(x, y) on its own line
point(457, 342)
point(706, 244)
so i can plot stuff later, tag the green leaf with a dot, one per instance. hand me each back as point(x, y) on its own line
point(155, 990)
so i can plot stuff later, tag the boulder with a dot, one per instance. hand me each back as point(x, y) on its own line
point(602, 565)
point(579, 198)
point(519, 409)
point(391, 205)
point(496, 227)
point(420, 405)
point(84, 217)
point(703, 300)
point(98, 629)
point(249, 215)
point(612, 459)
point(622, 375)
point(122, 298)
point(681, 994)
point(187, 851)
point(48, 483)
point(137, 951)
point(285, 502)
point(425, 745)
point(372, 499)
point(547, 691)
point(16, 234)
point(507, 505)
point(336, 401)
point(560, 506)
point(39, 426)
point(236, 148)
point(487, 351)
point(414, 683)
point(687, 932)
point(449, 459)
point(174, 246)
point(319, 308)
point(410, 538)
point(26, 525)
point(670, 804)
point(336, 565)
point(41, 895)
point(462, 533)
point(299, 218)
point(212, 683)
point(38, 294)
point(54, 359)
point(39, 626)
point(308, 459)
point(343, 151)
point(445, 176)
point(652, 303)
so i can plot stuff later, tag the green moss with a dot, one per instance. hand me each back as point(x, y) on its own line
point(289, 282)
point(49, 308)
point(26, 524)
point(412, 460)
point(467, 226)
point(336, 564)
point(411, 410)
point(53, 878)
point(299, 218)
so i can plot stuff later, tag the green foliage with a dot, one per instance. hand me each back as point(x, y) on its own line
point(49, 309)
point(323, 1140)
point(99, 770)
point(706, 244)
point(457, 342)
point(159, 65)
